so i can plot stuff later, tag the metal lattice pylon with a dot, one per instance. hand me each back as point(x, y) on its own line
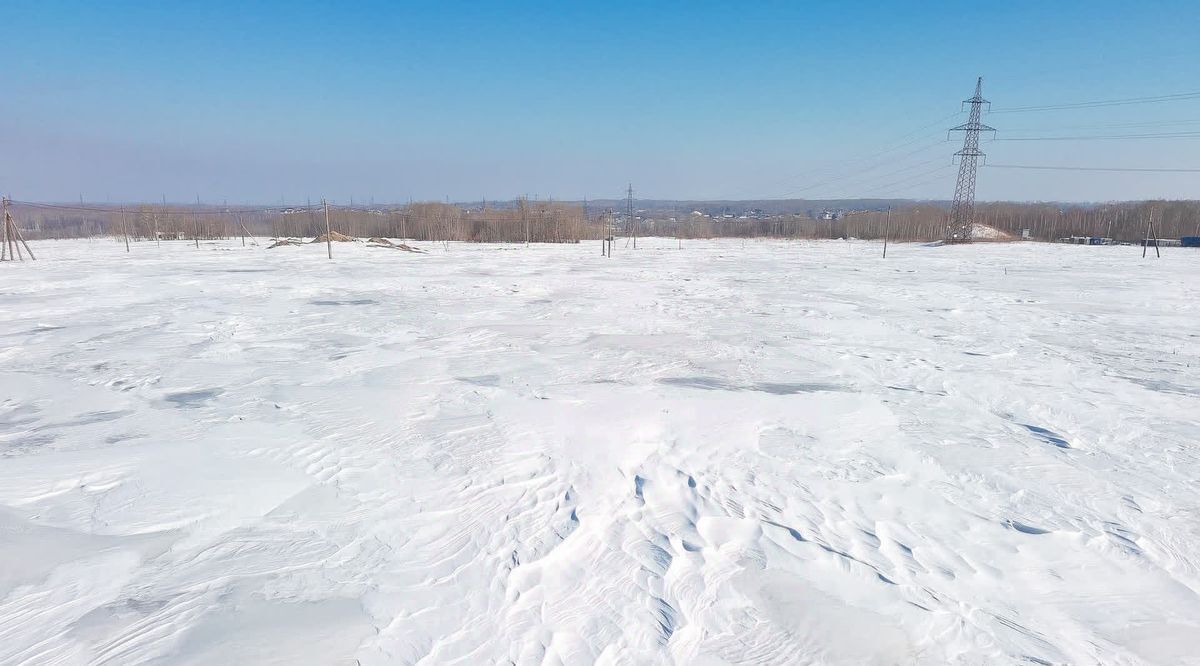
point(962, 212)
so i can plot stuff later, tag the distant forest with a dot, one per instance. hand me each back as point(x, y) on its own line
point(558, 222)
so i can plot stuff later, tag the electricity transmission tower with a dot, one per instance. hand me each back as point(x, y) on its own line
point(630, 222)
point(962, 212)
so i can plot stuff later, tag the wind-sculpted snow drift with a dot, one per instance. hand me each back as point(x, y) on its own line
point(733, 453)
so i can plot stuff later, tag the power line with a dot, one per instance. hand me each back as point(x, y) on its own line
point(1159, 123)
point(910, 186)
point(873, 182)
point(1079, 168)
point(841, 167)
point(1177, 97)
point(843, 175)
point(1106, 137)
point(905, 183)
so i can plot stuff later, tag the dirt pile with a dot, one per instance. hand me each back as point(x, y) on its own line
point(983, 232)
point(280, 242)
point(335, 237)
point(383, 242)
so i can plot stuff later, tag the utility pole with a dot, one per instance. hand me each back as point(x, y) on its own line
point(328, 232)
point(12, 236)
point(196, 224)
point(962, 212)
point(7, 245)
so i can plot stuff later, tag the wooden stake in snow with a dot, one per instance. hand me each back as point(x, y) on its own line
point(125, 229)
point(245, 231)
point(328, 232)
point(1149, 235)
point(887, 226)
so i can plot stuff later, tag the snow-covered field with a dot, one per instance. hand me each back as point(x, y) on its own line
point(743, 453)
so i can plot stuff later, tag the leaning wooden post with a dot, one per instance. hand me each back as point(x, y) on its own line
point(328, 232)
point(13, 237)
point(1146, 241)
point(245, 231)
point(1157, 254)
point(21, 237)
point(887, 226)
point(125, 229)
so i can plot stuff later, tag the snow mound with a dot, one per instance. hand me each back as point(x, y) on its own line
point(981, 231)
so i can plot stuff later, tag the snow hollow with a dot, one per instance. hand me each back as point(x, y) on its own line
point(730, 453)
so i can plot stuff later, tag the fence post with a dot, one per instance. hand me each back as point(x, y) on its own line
point(328, 233)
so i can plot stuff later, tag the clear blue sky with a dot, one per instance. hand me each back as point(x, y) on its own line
point(251, 102)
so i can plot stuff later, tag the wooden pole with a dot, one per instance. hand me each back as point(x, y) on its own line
point(4, 242)
point(10, 234)
point(21, 237)
point(887, 227)
point(196, 224)
point(245, 231)
point(1146, 240)
point(1157, 253)
point(125, 229)
point(328, 233)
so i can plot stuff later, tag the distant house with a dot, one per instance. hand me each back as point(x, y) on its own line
point(170, 235)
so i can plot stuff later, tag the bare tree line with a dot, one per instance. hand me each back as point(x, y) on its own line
point(1123, 222)
point(554, 222)
point(535, 222)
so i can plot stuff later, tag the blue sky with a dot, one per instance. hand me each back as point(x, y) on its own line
point(253, 102)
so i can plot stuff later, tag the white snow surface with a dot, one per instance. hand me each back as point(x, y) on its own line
point(756, 452)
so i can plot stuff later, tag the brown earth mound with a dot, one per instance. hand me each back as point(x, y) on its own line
point(333, 236)
point(383, 242)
